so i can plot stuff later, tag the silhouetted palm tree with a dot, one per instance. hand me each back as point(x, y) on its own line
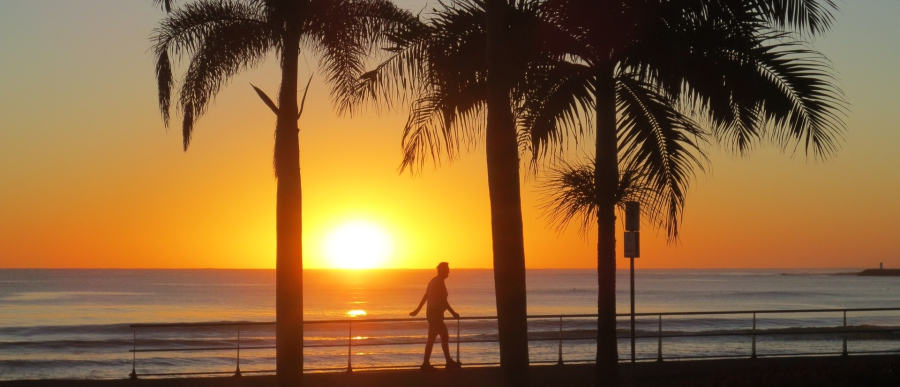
point(223, 37)
point(506, 200)
point(467, 61)
point(651, 65)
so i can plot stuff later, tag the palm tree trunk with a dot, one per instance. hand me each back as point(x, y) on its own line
point(506, 206)
point(606, 178)
point(289, 260)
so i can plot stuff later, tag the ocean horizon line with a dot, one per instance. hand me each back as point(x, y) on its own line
point(414, 268)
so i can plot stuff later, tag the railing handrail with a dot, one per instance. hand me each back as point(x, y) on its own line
point(577, 338)
point(537, 316)
point(843, 330)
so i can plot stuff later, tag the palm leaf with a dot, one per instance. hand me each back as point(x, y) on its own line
point(166, 5)
point(348, 40)
point(569, 194)
point(266, 100)
point(800, 99)
point(660, 144)
point(222, 38)
point(749, 85)
point(812, 16)
point(559, 97)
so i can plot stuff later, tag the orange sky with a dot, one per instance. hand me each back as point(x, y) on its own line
point(90, 178)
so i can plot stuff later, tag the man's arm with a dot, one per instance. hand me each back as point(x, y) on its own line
point(453, 312)
point(415, 312)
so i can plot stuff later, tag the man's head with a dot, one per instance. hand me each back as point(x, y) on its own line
point(443, 269)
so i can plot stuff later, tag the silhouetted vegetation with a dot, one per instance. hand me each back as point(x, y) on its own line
point(464, 70)
point(655, 78)
point(222, 38)
point(667, 75)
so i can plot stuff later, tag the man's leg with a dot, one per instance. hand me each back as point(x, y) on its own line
point(432, 333)
point(445, 342)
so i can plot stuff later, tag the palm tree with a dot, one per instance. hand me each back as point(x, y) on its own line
point(468, 59)
point(224, 37)
point(508, 241)
point(651, 65)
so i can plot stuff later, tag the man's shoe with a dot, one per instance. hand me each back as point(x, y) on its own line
point(453, 365)
point(426, 367)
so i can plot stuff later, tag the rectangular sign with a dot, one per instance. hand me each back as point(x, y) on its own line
point(632, 244)
point(632, 216)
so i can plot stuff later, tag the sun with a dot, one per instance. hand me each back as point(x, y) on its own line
point(358, 245)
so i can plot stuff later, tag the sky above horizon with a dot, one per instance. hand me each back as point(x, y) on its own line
point(90, 178)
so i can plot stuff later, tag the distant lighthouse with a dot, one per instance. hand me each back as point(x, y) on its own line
point(881, 266)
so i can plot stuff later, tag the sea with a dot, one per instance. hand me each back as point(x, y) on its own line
point(76, 324)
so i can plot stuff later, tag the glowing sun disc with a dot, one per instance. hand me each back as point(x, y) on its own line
point(358, 245)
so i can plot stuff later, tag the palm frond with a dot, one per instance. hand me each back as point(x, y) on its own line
point(661, 144)
point(165, 82)
point(438, 129)
point(337, 33)
point(750, 85)
point(303, 99)
point(440, 65)
point(443, 59)
point(184, 30)
point(557, 100)
point(265, 98)
point(346, 33)
point(809, 16)
point(221, 38)
point(400, 75)
point(800, 98)
point(166, 5)
point(553, 93)
point(569, 194)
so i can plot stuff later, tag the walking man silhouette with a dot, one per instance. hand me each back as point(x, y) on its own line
point(436, 297)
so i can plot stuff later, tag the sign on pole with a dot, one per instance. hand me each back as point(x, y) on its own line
point(632, 244)
point(632, 216)
point(632, 229)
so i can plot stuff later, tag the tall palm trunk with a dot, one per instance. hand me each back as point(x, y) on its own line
point(506, 205)
point(289, 261)
point(606, 179)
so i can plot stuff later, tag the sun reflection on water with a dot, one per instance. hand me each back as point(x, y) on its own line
point(356, 313)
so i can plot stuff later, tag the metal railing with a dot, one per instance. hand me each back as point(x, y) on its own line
point(843, 330)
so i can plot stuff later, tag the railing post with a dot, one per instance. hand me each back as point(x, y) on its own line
point(457, 339)
point(349, 346)
point(560, 360)
point(237, 371)
point(753, 354)
point(659, 347)
point(845, 334)
point(133, 374)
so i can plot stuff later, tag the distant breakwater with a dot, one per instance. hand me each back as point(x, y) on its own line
point(880, 273)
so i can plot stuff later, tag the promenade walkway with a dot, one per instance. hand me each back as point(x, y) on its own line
point(675, 373)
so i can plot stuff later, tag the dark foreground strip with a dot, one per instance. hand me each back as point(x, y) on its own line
point(826, 371)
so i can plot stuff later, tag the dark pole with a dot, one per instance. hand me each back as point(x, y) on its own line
point(632, 312)
point(632, 250)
